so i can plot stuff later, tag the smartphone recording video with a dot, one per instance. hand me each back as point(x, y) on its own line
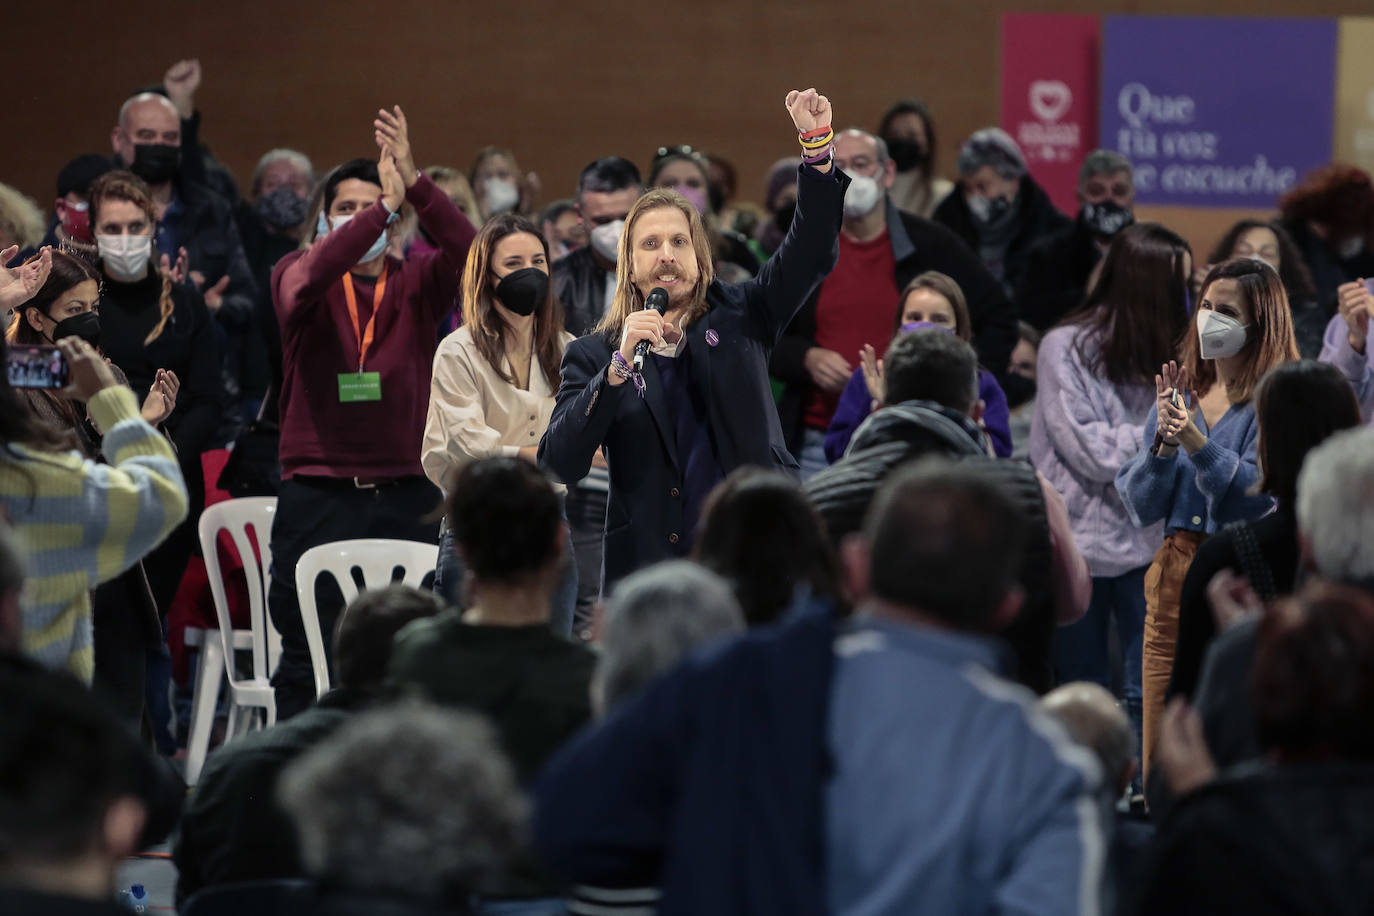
point(37, 367)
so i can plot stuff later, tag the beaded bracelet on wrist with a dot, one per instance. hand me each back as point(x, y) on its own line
point(625, 371)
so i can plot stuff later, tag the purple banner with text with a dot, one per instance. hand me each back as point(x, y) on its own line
point(1218, 112)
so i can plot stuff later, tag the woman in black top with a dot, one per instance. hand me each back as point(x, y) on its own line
point(150, 322)
point(1298, 405)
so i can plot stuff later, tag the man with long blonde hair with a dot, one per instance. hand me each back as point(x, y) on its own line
point(701, 404)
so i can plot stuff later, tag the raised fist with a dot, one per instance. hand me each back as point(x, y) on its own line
point(808, 108)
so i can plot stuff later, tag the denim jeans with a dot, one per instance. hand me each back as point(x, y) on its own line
point(812, 458)
point(1081, 652)
point(448, 581)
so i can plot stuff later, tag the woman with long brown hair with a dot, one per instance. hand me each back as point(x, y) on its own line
point(496, 376)
point(1198, 469)
point(126, 624)
point(1096, 382)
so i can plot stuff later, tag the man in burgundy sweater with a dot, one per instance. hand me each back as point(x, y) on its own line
point(358, 336)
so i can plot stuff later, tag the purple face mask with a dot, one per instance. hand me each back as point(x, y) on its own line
point(923, 325)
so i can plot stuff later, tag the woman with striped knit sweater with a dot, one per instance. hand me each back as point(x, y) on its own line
point(81, 523)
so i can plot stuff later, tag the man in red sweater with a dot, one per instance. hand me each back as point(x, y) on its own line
point(359, 329)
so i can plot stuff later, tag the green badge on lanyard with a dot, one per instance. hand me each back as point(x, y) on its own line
point(355, 387)
point(359, 386)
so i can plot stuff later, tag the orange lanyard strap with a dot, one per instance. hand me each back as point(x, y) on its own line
point(364, 335)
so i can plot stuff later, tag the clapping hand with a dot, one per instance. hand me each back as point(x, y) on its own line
point(393, 186)
point(393, 136)
point(175, 272)
point(20, 284)
point(162, 398)
point(873, 373)
point(1355, 303)
point(1172, 420)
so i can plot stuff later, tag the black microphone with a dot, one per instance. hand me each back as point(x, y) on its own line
point(658, 301)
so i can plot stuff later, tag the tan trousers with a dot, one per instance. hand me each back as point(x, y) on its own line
point(1163, 592)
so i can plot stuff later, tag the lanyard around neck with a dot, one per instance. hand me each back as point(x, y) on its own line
point(364, 335)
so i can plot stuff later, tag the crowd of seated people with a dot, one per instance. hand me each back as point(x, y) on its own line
point(1046, 589)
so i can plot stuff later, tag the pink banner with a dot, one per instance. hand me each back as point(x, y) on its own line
point(1049, 96)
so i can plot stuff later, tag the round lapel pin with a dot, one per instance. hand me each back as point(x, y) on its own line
point(712, 337)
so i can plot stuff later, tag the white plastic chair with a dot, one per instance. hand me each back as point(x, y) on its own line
point(237, 517)
point(377, 559)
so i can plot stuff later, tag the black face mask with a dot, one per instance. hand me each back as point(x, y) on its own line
point(524, 290)
point(908, 155)
point(1107, 218)
point(281, 209)
point(156, 163)
point(1018, 389)
point(783, 218)
point(86, 326)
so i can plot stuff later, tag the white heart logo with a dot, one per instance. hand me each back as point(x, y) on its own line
point(1049, 99)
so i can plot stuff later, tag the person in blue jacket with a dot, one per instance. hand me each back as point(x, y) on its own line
point(701, 404)
point(877, 765)
point(1197, 470)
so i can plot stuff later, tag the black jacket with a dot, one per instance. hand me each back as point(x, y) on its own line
point(905, 432)
point(1054, 281)
point(1277, 537)
point(1295, 840)
point(1328, 272)
point(186, 346)
point(210, 235)
point(579, 282)
point(233, 829)
point(645, 514)
point(261, 366)
point(918, 245)
point(1038, 218)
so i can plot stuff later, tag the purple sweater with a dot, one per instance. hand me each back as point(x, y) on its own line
point(1083, 430)
point(855, 401)
point(1358, 368)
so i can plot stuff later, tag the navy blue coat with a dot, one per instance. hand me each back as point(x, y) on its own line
point(645, 513)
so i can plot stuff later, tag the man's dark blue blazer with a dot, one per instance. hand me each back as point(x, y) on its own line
point(645, 512)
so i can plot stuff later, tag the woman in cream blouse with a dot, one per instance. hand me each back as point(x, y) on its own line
point(496, 376)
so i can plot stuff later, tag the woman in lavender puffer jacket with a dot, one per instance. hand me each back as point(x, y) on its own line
point(1096, 381)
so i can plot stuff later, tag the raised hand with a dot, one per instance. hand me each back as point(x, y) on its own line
point(873, 373)
point(393, 135)
point(20, 284)
point(177, 272)
point(1169, 378)
point(1355, 303)
point(181, 81)
point(393, 186)
point(89, 374)
point(808, 108)
point(162, 398)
